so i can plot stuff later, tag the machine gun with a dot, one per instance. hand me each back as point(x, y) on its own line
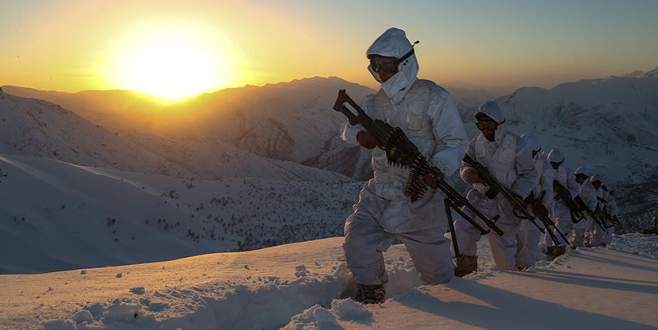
point(603, 212)
point(600, 222)
point(519, 206)
point(401, 152)
point(564, 195)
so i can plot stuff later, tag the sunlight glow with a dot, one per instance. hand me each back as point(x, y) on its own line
point(171, 64)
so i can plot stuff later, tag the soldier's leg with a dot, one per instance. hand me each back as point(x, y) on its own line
point(579, 231)
point(430, 252)
point(467, 234)
point(527, 246)
point(564, 223)
point(365, 241)
point(598, 236)
point(503, 248)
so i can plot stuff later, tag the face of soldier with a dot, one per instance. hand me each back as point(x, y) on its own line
point(487, 127)
point(556, 165)
point(580, 178)
point(384, 67)
point(596, 184)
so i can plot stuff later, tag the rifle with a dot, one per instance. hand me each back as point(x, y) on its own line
point(604, 212)
point(565, 196)
point(590, 213)
point(400, 151)
point(518, 205)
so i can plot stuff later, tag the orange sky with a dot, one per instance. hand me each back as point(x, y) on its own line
point(75, 45)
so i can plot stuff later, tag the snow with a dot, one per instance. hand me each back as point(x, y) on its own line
point(592, 122)
point(587, 288)
point(107, 218)
point(89, 217)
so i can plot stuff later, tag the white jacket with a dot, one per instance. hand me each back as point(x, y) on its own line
point(505, 157)
point(426, 113)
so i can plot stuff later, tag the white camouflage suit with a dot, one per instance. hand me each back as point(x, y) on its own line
point(513, 166)
point(559, 212)
point(529, 235)
point(600, 236)
point(429, 117)
point(587, 193)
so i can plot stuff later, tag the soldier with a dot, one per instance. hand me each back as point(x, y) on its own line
point(529, 235)
point(503, 154)
point(429, 117)
point(600, 236)
point(560, 212)
point(586, 195)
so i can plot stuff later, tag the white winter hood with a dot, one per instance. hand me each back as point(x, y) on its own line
point(493, 111)
point(555, 156)
point(581, 170)
point(394, 43)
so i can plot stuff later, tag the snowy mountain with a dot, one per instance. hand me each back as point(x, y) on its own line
point(35, 127)
point(607, 124)
point(288, 121)
point(38, 128)
point(58, 215)
point(304, 285)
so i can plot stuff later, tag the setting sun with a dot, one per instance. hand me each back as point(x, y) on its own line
point(170, 64)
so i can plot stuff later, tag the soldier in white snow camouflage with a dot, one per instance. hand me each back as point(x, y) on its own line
point(529, 235)
point(560, 212)
point(429, 117)
point(505, 157)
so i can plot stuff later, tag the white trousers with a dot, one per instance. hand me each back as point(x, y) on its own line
point(367, 237)
point(503, 248)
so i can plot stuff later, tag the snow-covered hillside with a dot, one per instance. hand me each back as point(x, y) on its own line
point(56, 215)
point(608, 124)
point(38, 128)
point(288, 121)
point(300, 286)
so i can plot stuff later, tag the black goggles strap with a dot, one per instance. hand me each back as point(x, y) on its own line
point(409, 53)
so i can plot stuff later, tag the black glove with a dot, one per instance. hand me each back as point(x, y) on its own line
point(491, 193)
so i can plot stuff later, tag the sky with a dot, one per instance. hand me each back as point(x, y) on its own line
point(80, 45)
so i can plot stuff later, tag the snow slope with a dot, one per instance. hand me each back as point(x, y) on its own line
point(299, 286)
point(58, 215)
point(288, 121)
point(38, 128)
point(608, 124)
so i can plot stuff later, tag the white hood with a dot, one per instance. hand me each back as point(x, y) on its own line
point(555, 156)
point(493, 111)
point(581, 170)
point(394, 43)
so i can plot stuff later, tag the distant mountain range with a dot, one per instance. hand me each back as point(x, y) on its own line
point(606, 124)
point(256, 166)
point(591, 120)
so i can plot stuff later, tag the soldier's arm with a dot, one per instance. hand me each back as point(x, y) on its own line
point(448, 130)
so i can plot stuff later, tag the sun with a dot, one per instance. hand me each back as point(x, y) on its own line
point(170, 64)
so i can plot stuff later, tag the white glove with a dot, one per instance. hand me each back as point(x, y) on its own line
point(480, 187)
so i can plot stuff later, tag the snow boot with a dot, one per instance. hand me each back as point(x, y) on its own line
point(466, 265)
point(556, 251)
point(370, 294)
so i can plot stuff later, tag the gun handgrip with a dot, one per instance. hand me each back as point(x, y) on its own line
point(339, 106)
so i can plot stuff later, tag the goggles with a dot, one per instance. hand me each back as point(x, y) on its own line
point(486, 124)
point(392, 65)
